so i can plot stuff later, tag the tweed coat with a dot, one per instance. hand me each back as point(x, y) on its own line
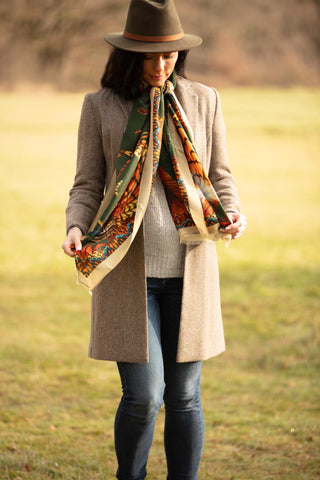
point(119, 328)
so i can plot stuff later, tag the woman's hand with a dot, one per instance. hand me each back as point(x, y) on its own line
point(72, 242)
point(238, 226)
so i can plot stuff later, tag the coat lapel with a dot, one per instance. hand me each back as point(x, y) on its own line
point(124, 105)
point(188, 99)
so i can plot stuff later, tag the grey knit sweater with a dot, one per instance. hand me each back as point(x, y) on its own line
point(164, 254)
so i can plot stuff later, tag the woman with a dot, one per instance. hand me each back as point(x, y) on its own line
point(155, 302)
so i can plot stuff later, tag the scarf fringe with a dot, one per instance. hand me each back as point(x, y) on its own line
point(191, 235)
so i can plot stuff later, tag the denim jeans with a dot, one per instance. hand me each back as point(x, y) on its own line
point(147, 385)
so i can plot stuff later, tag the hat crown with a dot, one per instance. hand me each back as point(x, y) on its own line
point(151, 18)
point(153, 26)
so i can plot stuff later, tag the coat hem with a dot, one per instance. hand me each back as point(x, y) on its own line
point(114, 358)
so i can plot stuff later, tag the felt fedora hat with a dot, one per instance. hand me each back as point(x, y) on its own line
point(153, 26)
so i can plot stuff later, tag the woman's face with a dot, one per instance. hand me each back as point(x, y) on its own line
point(157, 67)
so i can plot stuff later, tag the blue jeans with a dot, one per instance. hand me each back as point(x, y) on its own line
point(147, 385)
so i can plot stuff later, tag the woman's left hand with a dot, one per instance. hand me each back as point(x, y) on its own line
point(238, 226)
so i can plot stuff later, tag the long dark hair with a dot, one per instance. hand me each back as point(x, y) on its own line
point(124, 69)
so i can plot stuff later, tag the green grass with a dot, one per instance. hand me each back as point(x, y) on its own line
point(261, 398)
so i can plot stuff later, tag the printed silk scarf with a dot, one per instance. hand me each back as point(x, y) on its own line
point(156, 139)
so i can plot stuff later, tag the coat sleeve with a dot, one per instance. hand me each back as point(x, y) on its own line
point(219, 171)
point(89, 183)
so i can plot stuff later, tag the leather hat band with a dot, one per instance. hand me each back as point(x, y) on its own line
point(146, 38)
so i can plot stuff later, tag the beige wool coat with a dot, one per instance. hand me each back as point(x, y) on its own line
point(119, 328)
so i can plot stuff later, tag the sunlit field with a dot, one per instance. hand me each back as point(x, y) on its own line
point(260, 398)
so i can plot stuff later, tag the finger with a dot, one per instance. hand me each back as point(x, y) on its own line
point(70, 252)
point(239, 225)
point(231, 228)
point(243, 221)
point(68, 249)
point(238, 233)
point(77, 245)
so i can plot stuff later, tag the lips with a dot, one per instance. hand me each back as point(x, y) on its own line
point(156, 80)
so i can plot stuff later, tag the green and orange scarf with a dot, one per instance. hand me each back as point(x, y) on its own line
point(157, 139)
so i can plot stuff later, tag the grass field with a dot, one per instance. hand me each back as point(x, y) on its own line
point(261, 398)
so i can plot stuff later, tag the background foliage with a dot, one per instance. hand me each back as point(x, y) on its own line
point(60, 42)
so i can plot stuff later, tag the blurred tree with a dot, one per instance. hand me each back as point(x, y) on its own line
point(257, 42)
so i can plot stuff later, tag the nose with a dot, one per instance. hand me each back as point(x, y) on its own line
point(159, 64)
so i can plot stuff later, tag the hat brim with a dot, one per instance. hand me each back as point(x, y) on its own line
point(184, 43)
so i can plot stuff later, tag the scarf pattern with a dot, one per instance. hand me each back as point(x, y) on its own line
point(148, 133)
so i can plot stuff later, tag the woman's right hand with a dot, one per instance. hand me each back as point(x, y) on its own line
point(72, 242)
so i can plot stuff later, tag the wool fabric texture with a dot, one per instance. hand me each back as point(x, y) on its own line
point(148, 147)
point(164, 253)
